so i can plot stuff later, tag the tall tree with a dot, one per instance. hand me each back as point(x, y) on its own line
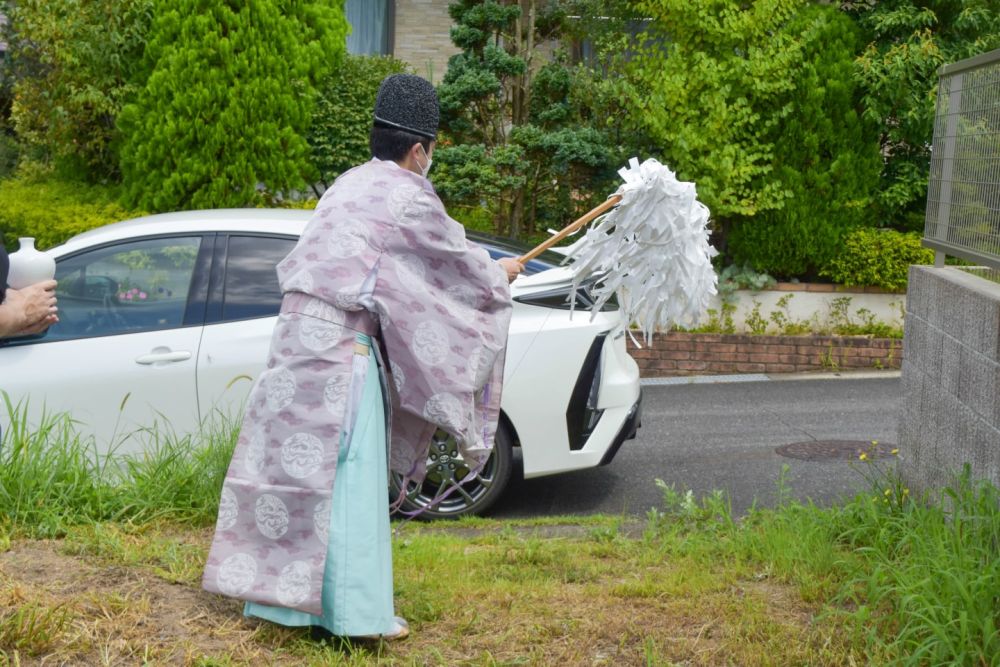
point(825, 157)
point(907, 42)
point(754, 101)
point(228, 98)
point(73, 64)
point(514, 142)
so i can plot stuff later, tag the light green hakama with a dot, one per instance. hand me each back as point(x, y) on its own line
point(357, 581)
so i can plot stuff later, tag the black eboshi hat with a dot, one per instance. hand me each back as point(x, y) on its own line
point(408, 102)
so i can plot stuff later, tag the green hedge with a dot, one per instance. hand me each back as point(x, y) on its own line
point(52, 210)
point(342, 118)
point(878, 258)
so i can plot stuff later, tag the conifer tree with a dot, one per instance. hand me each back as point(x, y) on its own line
point(228, 98)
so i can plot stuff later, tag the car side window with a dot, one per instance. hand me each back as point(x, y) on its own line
point(125, 288)
point(251, 283)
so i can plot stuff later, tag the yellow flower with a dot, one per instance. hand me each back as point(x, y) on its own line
point(906, 492)
point(888, 491)
point(894, 452)
point(874, 443)
point(863, 457)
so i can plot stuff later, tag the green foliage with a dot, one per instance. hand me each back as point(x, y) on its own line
point(517, 144)
point(712, 86)
point(907, 42)
point(755, 321)
point(73, 64)
point(824, 156)
point(51, 478)
point(877, 257)
point(342, 119)
point(52, 210)
point(736, 277)
point(228, 98)
point(755, 102)
point(911, 581)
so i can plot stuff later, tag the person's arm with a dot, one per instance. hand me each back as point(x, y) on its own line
point(28, 311)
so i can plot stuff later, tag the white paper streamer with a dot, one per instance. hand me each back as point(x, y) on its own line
point(652, 250)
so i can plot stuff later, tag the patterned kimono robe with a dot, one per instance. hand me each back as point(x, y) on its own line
point(380, 256)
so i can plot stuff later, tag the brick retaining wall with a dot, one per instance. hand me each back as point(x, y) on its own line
point(676, 354)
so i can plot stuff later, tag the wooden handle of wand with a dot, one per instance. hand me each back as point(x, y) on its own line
point(586, 219)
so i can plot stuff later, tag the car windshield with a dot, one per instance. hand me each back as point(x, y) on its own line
point(499, 247)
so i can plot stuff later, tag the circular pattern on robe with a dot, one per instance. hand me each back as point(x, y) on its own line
point(256, 452)
point(398, 376)
point(349, 238)
point(430, 342)
point(301, 455)
point(411, 270)
point(301, 281)
point(445, 410)
point(335, 394)
point(229, 510)
point(236, 574)
point(347, 298)
point(271, 516)
point(465, 298)
point(322, 327)
point(321, 520)
point(294, 583)
point(409, 205)
point(480, 364)
point(279, 389)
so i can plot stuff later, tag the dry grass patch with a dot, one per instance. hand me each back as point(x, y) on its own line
point(108, 595)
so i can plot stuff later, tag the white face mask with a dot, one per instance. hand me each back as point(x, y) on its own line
point(426, 169)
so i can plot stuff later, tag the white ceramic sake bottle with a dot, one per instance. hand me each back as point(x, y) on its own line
point(29, 266)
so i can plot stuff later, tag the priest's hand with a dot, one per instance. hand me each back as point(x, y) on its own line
point(511, 266)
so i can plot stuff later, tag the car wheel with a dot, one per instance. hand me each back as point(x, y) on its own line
point(445, 468)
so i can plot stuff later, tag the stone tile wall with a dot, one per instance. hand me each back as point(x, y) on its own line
point(422, 36)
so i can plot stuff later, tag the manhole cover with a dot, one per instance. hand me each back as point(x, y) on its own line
point(823, 450)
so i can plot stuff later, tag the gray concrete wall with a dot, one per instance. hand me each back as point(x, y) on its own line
point(951, 378)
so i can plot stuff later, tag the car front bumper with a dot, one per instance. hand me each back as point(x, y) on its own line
point(627, 432)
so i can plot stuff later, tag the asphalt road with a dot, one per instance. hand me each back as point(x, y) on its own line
point(723, 436)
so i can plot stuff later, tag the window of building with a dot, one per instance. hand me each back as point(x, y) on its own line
point(372, 26)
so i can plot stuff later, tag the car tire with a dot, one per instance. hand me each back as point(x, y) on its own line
point(474, 497)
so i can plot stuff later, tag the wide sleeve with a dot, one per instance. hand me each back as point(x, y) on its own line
point(444, 307)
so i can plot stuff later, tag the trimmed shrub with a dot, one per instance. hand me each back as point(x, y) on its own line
point(877, 258)
point(52, 210)
point(229, 96)
point(342, 119)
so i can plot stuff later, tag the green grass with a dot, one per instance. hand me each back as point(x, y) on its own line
point(52, 478)
point(881, 579)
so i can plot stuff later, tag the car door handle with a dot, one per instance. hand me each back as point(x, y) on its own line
point(162, 357)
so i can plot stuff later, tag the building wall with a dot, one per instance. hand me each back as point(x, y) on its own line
point(950, 378)
point(422, 37)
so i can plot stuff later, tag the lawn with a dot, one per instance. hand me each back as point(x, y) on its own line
point(101, 564)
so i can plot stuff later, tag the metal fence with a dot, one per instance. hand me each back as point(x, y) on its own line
point(963, 198)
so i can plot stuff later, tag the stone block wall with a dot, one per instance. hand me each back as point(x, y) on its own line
point(679, 354)
point(950, 378)
point(422, 36)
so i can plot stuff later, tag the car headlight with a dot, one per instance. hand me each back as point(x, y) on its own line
point(560, 298)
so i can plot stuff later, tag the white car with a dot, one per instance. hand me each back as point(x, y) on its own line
point(167, 318)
